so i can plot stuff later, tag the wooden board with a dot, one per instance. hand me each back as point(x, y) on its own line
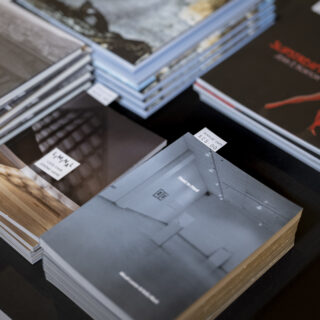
point(26, 205)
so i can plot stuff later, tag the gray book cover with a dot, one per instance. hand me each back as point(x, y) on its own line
point(164, 234)
point(28, 46)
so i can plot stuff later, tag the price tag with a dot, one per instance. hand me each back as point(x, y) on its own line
point(102, 94)
point(210, 139)
point(57, 164)
point(316, 7)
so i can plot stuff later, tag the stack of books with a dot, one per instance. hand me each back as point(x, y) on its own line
point(272, 86)
point(150, 52)
point(41, 67)
point(62, 161)
point(180, 236)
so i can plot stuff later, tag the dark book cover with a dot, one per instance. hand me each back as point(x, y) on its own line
point(278, 75)
point(100, 143)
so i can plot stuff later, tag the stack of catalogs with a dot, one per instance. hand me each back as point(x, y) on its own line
point(277, 94)
point(149, 52)
point(60, 162)
point(180, 236)
point(41, 67)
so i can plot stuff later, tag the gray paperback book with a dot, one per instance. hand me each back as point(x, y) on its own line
point(132, 29)
point(161, 236)
point(30, 49)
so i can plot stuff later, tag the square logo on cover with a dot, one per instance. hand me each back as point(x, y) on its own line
point(160, 195)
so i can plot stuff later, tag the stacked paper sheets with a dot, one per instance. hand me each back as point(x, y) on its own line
point(149, 53)
point(276, 95)
point(41, 67)
point(162, 239)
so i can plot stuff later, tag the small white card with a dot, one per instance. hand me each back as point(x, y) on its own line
point(210, 139)
point(102, 94)
point(316, 7)
point(57, 164)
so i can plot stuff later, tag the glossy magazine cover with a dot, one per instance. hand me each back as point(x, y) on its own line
point(132, 29)
point(194, 56)
point(281, 83)
point(103, 142)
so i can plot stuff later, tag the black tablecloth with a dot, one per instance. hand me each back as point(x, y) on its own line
point(288, 289)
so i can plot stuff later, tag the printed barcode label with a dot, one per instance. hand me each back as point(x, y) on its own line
point(102, 94)
point(57, 164)
point(210, 139)
point(316, 7)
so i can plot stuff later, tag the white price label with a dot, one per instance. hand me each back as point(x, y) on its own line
point(316, 7)
point(102, 94)
point(210, 139)
point(57, 164)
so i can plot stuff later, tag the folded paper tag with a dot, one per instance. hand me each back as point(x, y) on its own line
point(57, 164)
point(102, 94)
point(210, 139)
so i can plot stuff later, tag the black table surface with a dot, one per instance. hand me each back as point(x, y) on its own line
point(290, 289)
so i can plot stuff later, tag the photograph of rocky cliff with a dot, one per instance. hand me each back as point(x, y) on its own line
point(132, 29)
